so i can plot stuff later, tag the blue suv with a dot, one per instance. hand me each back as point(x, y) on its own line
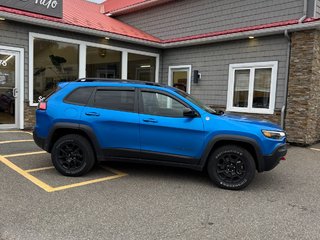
point(94, 120)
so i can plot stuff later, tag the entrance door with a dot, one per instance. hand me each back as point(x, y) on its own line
point(9, 81)
point(180, 77)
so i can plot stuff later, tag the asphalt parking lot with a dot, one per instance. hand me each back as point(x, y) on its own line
point(126, 201)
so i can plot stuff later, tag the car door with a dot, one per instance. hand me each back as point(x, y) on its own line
point(113, 115)
point(165, 133)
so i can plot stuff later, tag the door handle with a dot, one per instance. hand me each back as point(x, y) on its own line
point(94, 114)
point(14, 92)
point(150, 120)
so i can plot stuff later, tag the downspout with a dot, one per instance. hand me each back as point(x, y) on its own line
point(305, 11)
point(284, 107)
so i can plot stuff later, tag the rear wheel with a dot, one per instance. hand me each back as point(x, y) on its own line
point(72, 155)
point(231, 167)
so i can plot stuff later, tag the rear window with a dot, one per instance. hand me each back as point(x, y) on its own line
point(80, 96)
point(121, 100)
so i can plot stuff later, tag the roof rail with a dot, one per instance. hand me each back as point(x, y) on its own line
point(118, 80)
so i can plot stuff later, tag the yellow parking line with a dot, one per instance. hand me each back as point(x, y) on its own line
point(88, 182)
point(315, 149)
point(16, 141)
point(28, 176)
point(48, 188)
point(38, 169)
point(16, 132)
point(23, 154)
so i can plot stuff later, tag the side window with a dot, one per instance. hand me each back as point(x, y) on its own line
point(80, 96)
point(120, 100)
point(161, 105)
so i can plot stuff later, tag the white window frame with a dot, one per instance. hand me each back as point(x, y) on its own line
point(177, 69)
point(82, 57)
point(252, 66)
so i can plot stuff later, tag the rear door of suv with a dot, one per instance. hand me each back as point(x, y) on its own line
point(112, 113)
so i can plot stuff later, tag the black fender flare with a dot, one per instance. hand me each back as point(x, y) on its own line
point(233, 138)
point(78, 127)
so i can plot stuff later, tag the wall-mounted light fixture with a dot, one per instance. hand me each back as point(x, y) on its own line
point(2, 19)
point(196, 76)
point(106, 38)
point(251, 37)
point(145, 66)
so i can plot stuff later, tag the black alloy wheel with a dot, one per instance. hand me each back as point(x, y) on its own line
point(231, 167)
point(72, 155)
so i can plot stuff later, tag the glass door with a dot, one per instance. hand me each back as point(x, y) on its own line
point(180, 77)
point(8, 88)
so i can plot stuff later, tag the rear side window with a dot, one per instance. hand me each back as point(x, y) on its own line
point(120, 100)
point(80, 96)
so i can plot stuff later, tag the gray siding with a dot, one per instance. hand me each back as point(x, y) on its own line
point(317, 8)
point(213, 61)
point(188, 17)
point(16, 34)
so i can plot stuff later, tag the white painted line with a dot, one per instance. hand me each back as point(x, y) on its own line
point(16, 132)
point(315, 149)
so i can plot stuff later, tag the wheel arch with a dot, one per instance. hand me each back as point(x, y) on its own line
point(62, 129)
point(249, 144)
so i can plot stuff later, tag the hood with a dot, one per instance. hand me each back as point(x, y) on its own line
point(250, 120)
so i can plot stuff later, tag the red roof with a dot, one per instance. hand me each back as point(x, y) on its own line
point(113, 5)
point(86, 14)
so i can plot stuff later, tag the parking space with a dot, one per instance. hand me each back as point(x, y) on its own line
point(20, 153)
point(153, 202)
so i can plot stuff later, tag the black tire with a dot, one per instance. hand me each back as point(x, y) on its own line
point(231, 167)
point(72, 155)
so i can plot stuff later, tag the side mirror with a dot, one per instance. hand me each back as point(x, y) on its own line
point(187, 112)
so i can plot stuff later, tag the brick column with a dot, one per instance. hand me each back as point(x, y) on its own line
point(303, 108)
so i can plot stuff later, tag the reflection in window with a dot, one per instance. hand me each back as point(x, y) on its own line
point(141, 67)
point(161, 105)
point(262, 85)
point(103, 63)
point(241, 88)
point(54, 62)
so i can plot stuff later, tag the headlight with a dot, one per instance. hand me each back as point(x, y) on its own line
point(273, 134)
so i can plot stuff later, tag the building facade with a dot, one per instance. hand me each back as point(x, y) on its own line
point(255, 58)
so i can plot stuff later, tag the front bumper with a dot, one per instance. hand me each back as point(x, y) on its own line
point(271, 161)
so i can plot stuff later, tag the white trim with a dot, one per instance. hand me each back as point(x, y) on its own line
point(180, 68)
point(315, 9)
point(124, 65)
point(82, 57)
point(252, 66)
point(19, 111)
point(82, 60)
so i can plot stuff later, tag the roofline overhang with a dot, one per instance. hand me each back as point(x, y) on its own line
point(73, 28)
point(244, 35)
point(168, 43)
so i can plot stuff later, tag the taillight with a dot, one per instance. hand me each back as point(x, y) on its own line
point(42, 106)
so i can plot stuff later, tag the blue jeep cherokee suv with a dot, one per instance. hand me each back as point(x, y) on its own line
point(93, 120)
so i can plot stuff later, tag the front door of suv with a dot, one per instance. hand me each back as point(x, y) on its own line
point(165, 134)
point(112, 113)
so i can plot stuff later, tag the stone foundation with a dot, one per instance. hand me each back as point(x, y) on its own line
point(29, 116)
point(303, 109)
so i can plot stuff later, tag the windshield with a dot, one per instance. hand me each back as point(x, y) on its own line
point(198, 102)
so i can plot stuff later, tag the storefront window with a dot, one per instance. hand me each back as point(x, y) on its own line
point(103, 63)
point(141, 67)
point(54, 62)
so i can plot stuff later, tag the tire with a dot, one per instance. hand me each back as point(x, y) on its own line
point(72, 155)
point(231, 167)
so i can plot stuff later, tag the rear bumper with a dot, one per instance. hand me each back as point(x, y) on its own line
point(271, 161)
point(41, 142)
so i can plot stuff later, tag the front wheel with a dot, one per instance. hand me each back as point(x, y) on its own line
point(231, 167)
point(72, 155)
